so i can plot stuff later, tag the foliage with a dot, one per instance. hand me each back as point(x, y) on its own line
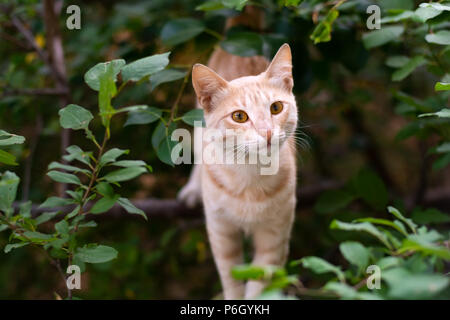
point(409, 262)
point(91, 184)
point(349, 80)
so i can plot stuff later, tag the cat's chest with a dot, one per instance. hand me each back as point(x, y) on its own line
point(245, 202)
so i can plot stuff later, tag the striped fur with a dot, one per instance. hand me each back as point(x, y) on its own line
point(237, 199)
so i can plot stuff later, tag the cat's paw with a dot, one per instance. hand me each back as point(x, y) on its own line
point(190, 194)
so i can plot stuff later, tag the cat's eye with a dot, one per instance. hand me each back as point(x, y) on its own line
point(276, 107)
point(239, 116)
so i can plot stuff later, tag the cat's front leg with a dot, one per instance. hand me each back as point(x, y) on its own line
point(226, 244)
point(271, 247)
point(191, 193)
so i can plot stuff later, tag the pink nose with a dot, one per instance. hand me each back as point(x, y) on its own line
point(266, 133)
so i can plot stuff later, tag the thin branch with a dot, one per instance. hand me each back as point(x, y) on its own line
point(30, 39)
point(174, 109)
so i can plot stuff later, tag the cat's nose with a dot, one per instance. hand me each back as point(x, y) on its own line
point(269, 136)
point(267, 133)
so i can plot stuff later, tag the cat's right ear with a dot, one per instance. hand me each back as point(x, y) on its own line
point(207, 84)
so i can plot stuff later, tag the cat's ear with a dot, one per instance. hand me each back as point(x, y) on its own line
point(207, 84)
point(279, 71)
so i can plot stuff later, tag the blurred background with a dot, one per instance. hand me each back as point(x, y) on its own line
point(354, 115)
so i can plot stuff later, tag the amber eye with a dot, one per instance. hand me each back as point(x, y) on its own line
point(239, 116)
point(276, 107)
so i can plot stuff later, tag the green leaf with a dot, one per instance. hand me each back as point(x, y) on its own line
point(194, 115)
point(37, 236)
point(425, 242)
point(164, 151)
point(147, 66)
point(443, 148)
point(44, 217)
point(105, 189)
point(398, 17)
point(396, 5)
point(388, 262)
point(7, 139)
point(63, 177)
point(430, 216)
point(7, 158)
point(412, 101)
point(318, 265)
point(9, 182)
point(244, 44)
point(52, 202)
point(104, 204)
point(408, 68)
point(235, 4)
point(210, 5)
point(11, 246)
point(406, 285)
point(399, 216)
point(423, 14)
point(135, 108)
point(74, 212)
point(254, 272)
point(380, 37)
point(371, 188)
point(93, 75)
point(111, 155)
point(443, 113)
point(96, 254)
point(74, 117)
point(161, 132)
point(442, 162)
point(397, 226)
point(124, 174)
point(436, 6)
point(293, 3)
point(181, 30)
point(441, 37)
point(344, 291)
point(361, 227)
point(62, 227)
point(57, 165)
point(75, 153)
point(130, 163)
point(333, 200)
point(397, 61)
point(25, 209)
point(166, 75)
point(244, 272)
point(355, 253)
point(442, 86)
point(130, 207)
point(106, 92)
point(146, 116)
point(322, 32)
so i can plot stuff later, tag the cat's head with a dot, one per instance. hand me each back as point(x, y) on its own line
point(260, 108)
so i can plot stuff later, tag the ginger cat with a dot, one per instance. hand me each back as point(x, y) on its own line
point(237, 199)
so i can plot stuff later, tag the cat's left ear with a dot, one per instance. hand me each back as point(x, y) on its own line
point(279, 72)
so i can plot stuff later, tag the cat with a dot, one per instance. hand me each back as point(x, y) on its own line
point(237, 199)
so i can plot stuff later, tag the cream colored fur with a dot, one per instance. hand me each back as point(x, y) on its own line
point(237, 199)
